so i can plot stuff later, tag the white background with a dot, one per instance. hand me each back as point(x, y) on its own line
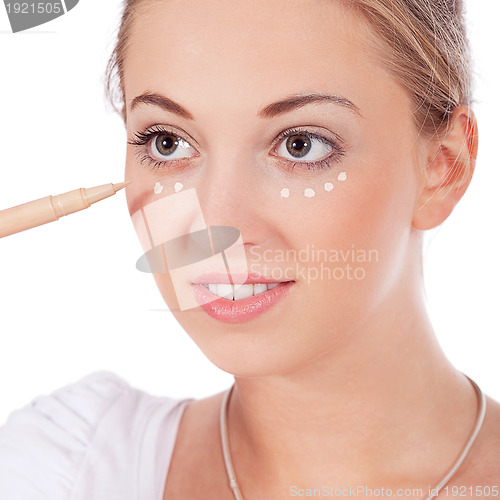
point(71, 300)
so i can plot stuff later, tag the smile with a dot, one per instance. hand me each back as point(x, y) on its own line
point(240, 303)
point(239, 292)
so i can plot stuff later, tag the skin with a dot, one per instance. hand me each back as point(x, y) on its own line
point(343, 382)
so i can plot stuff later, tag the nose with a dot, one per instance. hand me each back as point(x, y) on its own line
point(229, 194)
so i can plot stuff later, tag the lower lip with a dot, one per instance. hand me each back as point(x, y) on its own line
point(238, 311)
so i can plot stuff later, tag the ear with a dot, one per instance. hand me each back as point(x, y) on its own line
point(451, 163)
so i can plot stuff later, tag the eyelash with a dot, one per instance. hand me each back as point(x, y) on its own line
point(144, 138)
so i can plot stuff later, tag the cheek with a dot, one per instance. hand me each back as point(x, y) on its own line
point(363, 210)
point(137, 192)
point(364, 236)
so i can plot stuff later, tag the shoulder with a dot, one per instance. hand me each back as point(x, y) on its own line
point(49, 437)
point(53, 444)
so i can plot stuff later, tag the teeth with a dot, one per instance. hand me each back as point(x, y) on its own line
point(261, 287)
point(225, 290)
point(241, 292)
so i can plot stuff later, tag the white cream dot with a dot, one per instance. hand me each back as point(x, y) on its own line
point(178, 186)
point(309, 193)
point(342, 176)
point(328, 186)
point(285, 193)
point(158, 188)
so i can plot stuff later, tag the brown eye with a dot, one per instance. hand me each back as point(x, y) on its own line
point(298, 145)
point(301, 147)
point(166, 144)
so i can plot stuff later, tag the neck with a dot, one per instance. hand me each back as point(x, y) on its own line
point(385, 408)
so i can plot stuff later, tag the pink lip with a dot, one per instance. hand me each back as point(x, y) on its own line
point(241, 279)
point(238, 311)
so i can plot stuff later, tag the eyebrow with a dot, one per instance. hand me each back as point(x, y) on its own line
point(285, 105)
point(162, 102)
point(298, 100)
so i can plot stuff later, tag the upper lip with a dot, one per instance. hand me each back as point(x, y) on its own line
point(234, 278)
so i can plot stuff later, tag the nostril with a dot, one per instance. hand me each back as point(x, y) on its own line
point(223, 237)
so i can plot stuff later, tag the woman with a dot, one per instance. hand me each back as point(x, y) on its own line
point(339, 129)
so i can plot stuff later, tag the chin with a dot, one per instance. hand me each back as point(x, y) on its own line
point(258, 349)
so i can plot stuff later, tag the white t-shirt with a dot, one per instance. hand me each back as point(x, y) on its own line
point(95, 439)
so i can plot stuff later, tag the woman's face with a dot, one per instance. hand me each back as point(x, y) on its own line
point(346, 249)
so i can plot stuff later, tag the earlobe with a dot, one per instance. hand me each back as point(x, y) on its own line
point(449, 171)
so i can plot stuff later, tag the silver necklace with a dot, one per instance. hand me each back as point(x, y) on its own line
point(435, 491)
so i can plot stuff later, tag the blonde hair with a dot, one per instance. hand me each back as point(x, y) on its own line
point(424, 46)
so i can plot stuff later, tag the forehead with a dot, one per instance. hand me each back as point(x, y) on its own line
point(246, 51)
